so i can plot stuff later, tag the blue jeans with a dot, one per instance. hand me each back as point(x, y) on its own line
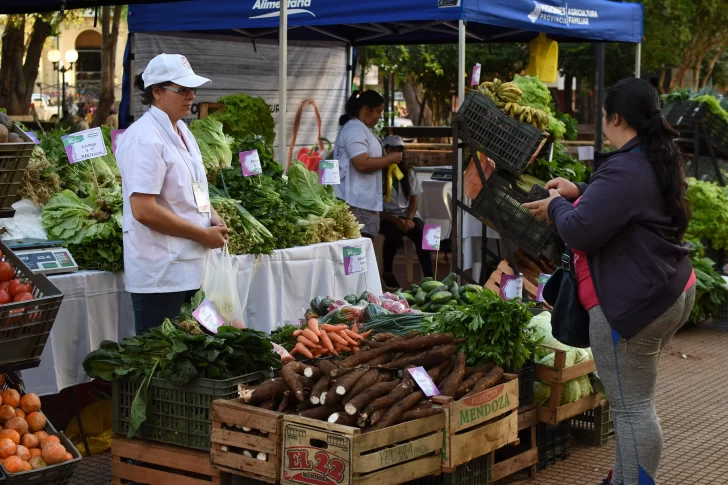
point(150, 309)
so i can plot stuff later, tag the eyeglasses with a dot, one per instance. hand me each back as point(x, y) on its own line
point(181, 91)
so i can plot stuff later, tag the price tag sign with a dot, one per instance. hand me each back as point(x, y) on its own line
point(115, 138)
point(511, 287)
point(542, 279)
point(355, 260)
point(329, 172)
point(32, 136)
point(207, 316)
point(250, 163)
point(476, 75)
point(431, 237)
point(84, 145)
point(423, 379)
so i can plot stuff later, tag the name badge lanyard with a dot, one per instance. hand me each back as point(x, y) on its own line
point(201, 198)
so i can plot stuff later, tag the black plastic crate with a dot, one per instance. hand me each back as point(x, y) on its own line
point(717, 128)
point(526, 376)
point(230, 479)
point(14, 158)
point(553, 443)
point(594, 427)
point(702, 168)
point(25, 326)
point(721, 322)
point(510, 144)
point(177, 415)
point(475, 472)
point(532, 234)
point(682, 114)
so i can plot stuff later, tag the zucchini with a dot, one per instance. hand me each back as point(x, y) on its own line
point(452, 303)
point(425, 280)
point(431, 285)
point(409, 297)
point(414, 289)
point(445, 308)
point(441, 297)
point(470, 297)
point(426, 307)
point(450, 279)
point(436, 290)
point(436, 307)
point(474, 288)
point(421, 297)
point(455, 290)
point(351, 299)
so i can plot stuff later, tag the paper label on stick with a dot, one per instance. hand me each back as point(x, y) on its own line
point(84, 145)
point(250, 163)
point(32, 136)
point(511, 287)
point(542, 279)
point(207, 316)
point(115, 139)
point(355, 260)
point(476, 75)
point(431, 237)
point(422, 378)
point(329, 172)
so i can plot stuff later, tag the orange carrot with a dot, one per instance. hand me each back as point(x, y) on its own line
point(337, 339)
point(355, 349)
point(332, 328)
point(349, 340)
point(308, 333)
point(327, 342)
point(343, 348)
point(293, 351)
point(365, 334)
point(303, 350)
point(306, 342)
point(352, 334)
point(313, 325)
point(297, 333)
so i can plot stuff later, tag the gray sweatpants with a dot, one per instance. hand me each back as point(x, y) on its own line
point(628, 370)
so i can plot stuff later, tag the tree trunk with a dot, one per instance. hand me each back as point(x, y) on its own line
point(109, 41)
point(713, 61)
point(663, 73)
point(568, 94)
point(698, 68)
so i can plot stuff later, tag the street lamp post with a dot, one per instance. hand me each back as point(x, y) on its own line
point(71, 56)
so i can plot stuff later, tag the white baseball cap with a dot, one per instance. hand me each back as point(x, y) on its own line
point(172, 68)
point(393, 141)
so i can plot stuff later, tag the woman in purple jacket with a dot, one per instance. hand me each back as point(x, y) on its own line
point(634, 276)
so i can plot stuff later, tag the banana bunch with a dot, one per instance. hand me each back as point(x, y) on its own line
point(500, 92)
point(526, 114)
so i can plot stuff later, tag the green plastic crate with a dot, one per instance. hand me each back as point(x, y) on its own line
point(594, 427)
point(475, 472)
point(178, 415)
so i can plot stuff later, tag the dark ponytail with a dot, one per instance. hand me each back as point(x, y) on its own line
point(147, 94)
point(639, 104)
point(357, 101)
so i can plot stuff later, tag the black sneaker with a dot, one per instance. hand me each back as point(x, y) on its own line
point(608, 480)
point(390, 281)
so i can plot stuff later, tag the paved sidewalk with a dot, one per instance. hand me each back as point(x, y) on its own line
point(692, 404)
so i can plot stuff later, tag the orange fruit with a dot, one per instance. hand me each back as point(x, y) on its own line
point(19, 413)
point(18, 424)
point(26, 466)
point(35, 452)
point(47, 440)
point(54, 453)
point(13, 464)
point(30, 403)
point(7, 448)
point(6, 413)
point(37, 462)
point(69, 456)
point(11, 434)
point(23, 453)
point(29, 441)
point(11, 397)
point(36, 421)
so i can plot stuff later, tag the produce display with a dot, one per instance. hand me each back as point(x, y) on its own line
point(247, 234)
point(25, 445)
point(709, 203)
point(710, 287)
point(12, 289)
point(364, 389)
point(214, 144)
point(245, 115)
point(561, 165)
point(40, 180)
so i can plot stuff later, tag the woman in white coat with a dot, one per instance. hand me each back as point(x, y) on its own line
point(168, 220)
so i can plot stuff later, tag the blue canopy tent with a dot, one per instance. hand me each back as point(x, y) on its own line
point(394, 22)
point(42, 6)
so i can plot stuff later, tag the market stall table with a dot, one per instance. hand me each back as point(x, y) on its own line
point(272, 289)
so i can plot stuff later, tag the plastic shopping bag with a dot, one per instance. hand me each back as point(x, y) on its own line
point(220, 284)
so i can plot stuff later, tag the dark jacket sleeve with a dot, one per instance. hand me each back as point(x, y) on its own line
point(613, 199)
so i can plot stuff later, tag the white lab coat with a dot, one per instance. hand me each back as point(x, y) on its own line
point(153, 160)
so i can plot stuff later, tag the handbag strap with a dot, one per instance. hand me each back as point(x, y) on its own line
point(567, 258)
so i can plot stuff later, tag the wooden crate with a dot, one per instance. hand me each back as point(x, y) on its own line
point(229, 440)
point(316, 452)
point(556, 376)
point(479, 424)
point(161, 464)
point(527, 420)
point(206, 109)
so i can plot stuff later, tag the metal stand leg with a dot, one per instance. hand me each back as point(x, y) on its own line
point(77, 412)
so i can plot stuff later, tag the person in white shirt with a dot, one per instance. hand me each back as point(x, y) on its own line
point(400, 217)
point(361, 159)
point(168, 221)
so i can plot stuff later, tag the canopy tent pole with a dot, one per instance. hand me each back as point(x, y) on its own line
point(349, 69)
point(599, 128)
point(638, 61)
point(283, 83)
point(455, 210)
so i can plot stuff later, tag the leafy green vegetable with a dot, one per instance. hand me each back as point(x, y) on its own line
point(214, 145)
point(169, 353)
point(709, 203)
point(713, 106)
point(535, 93)
point(247, 235)
point(494, 330)
point(246, 115)
point(40, 180)
point(710, 292)
point(570, 124)
point(556, 127)
point(90, 227)
point(268, 163)
point(284, 336)
point(562, 165)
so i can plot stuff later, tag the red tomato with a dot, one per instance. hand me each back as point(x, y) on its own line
point(18, 286)
point(4, 285)
point(23, 297)
point(4, 297)
point(6, 271)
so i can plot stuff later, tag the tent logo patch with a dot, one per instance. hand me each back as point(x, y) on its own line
point(295, 7)
point(448, 3)
point(561, 15)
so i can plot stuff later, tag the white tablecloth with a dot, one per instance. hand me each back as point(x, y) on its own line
point(272, 289)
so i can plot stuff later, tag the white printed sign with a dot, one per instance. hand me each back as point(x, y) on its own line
point(329, 172)
point(84, 145)
point(355, 260)
point(250, 163)
point(431, 237)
